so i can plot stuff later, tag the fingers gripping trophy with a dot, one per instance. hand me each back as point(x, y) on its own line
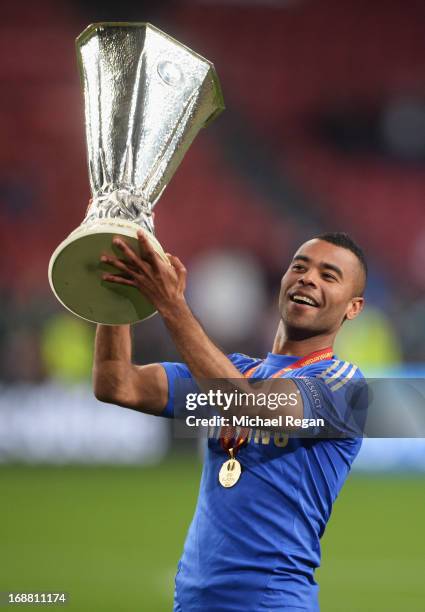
point(146, 96)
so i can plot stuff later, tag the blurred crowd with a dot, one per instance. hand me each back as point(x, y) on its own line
point(324, 130)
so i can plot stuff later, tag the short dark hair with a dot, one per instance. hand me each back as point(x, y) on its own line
point(343, 240)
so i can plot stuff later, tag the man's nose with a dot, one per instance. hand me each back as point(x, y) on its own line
point(308, 278)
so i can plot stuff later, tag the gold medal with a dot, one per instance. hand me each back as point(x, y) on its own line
point(230, 473)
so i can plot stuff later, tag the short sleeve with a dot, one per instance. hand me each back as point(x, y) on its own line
point(338, 395)
point(179, 377)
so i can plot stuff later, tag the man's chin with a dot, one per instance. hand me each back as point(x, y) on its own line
point(302, 318)
point(298, 327)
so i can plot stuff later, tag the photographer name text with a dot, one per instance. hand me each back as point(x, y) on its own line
point(253, 421)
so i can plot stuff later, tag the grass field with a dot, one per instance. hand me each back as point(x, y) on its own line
point(111, 537)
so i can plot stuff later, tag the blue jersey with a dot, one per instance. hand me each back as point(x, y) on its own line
point(255, 546)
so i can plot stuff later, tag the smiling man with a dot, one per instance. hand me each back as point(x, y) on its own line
point(254, 540)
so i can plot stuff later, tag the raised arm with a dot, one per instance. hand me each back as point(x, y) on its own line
point(117, 380)
point(164, 286)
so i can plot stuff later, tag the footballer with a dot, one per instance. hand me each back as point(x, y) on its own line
point(264, 502)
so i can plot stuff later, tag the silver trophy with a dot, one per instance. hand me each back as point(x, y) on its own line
point(146, 97)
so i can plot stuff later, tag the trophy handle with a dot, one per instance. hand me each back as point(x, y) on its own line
point(75, 274)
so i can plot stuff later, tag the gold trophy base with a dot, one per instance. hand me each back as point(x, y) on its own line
point(75, 274)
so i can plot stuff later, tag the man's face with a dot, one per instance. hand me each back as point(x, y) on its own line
point(321, 288)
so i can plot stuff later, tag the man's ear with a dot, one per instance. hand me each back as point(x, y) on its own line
point(355, 307)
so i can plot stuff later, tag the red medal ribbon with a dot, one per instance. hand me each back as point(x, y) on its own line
point(230, 439)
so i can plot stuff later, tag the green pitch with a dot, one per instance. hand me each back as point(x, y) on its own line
point(111, 537)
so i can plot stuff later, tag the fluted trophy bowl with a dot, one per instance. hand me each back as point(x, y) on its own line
point(146, 96)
